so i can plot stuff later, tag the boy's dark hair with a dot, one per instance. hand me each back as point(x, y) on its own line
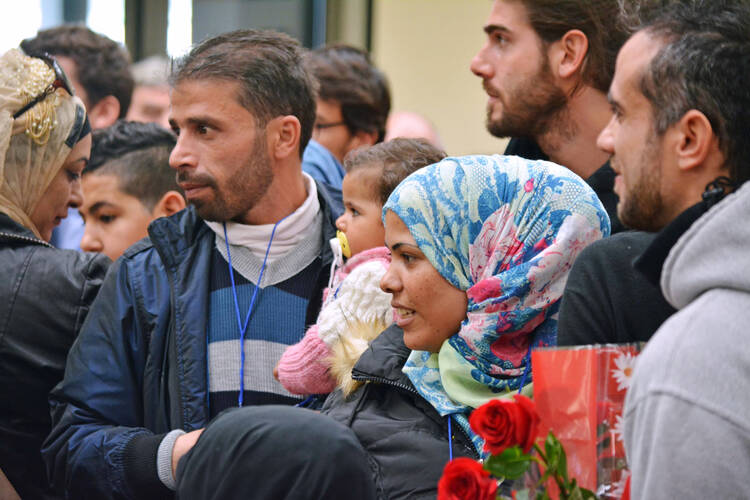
point(102, 65)
point(138, 155)
point(598, 19)
point(346, 75)
point(396, 159)
point(704, 64)
point(268, 67)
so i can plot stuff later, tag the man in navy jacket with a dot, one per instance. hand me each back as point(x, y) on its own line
point(191, 320)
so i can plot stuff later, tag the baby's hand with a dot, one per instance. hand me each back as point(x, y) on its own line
point(276, 371)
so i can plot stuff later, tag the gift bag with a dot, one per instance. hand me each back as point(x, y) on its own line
point(580, 394)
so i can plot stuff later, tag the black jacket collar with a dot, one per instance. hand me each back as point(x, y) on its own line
point(11, 230)
point(651, 261)
point(384, 359)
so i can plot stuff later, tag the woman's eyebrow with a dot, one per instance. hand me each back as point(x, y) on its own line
point(399, 245)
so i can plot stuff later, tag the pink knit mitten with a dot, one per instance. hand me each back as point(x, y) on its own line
point(303, 368)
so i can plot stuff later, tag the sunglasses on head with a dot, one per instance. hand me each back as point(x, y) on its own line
point(61, 82)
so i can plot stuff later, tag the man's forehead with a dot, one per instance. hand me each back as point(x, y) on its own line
point(633, 60)
point(510, 16)
point(206, 96)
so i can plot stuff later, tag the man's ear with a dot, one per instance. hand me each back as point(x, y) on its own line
point(568, 54)
point(105, 112)
point(171, 203)
point(693, 140)
point(362, 138)
point(283, 134)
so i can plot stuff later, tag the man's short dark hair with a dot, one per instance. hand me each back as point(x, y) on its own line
point(138, 155)
point(597, 19)
point(267, 65)
point(396, 159)
point(103, 66)
point(704, 64)
point(346, 75)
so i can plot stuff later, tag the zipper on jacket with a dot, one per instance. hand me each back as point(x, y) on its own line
point(25, 238)
point(385, 381)
point(468, 440)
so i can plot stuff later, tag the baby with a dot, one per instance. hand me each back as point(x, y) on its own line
point(355, 310)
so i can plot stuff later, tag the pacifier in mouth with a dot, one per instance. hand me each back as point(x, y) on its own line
point(345, 249)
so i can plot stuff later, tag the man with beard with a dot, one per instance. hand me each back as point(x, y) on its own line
point(192, 320)
point(679, 143)
point(546, 67)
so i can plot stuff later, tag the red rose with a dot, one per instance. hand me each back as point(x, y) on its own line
point(503, 423)
point(466, 479)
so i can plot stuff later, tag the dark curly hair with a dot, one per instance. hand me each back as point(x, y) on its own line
point(103, 66)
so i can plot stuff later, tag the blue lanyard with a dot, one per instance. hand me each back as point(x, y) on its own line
point(450, 439)
point(243, 327)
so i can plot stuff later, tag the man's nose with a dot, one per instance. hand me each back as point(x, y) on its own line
point(480, 66)
point(182, 155)
point(606, 141)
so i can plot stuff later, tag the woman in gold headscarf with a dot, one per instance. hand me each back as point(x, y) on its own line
point(45, 292)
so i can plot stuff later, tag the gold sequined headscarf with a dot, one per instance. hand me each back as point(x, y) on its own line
point(34, 146)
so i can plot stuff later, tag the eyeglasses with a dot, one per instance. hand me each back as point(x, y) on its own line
point(322, 126)
point(61, 82)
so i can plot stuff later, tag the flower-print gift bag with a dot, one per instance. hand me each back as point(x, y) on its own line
point(580, 393)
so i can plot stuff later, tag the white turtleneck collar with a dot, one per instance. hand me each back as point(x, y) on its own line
point(290, 232)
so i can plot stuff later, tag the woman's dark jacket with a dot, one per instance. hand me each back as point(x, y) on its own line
point(45, 295)
point(406, 439)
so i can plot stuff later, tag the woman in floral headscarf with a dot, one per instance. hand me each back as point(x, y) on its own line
point(44, 292)
point(481, 247)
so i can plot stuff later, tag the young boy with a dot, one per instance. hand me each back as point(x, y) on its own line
point(127, 184)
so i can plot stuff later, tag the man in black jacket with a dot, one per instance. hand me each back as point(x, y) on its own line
point(192, 320)
point(546, 67)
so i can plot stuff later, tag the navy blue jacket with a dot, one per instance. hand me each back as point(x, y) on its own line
point(138, 367)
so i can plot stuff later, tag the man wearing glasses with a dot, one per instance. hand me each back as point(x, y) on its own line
point(352, 108)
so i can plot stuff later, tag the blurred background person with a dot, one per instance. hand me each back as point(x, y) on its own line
point(98, 68)
point(150, 102)
point(45, 292)
point(352, 107)
point(411, 125)
point(127, 184)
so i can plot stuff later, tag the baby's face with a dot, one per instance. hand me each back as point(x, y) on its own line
point(114, 220)
point(361, 220)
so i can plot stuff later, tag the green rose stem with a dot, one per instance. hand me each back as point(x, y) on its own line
point(555, 475)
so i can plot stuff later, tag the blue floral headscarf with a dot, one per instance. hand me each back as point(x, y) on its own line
point(506, 230)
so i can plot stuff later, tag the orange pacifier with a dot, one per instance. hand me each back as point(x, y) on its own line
point(345, 250)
